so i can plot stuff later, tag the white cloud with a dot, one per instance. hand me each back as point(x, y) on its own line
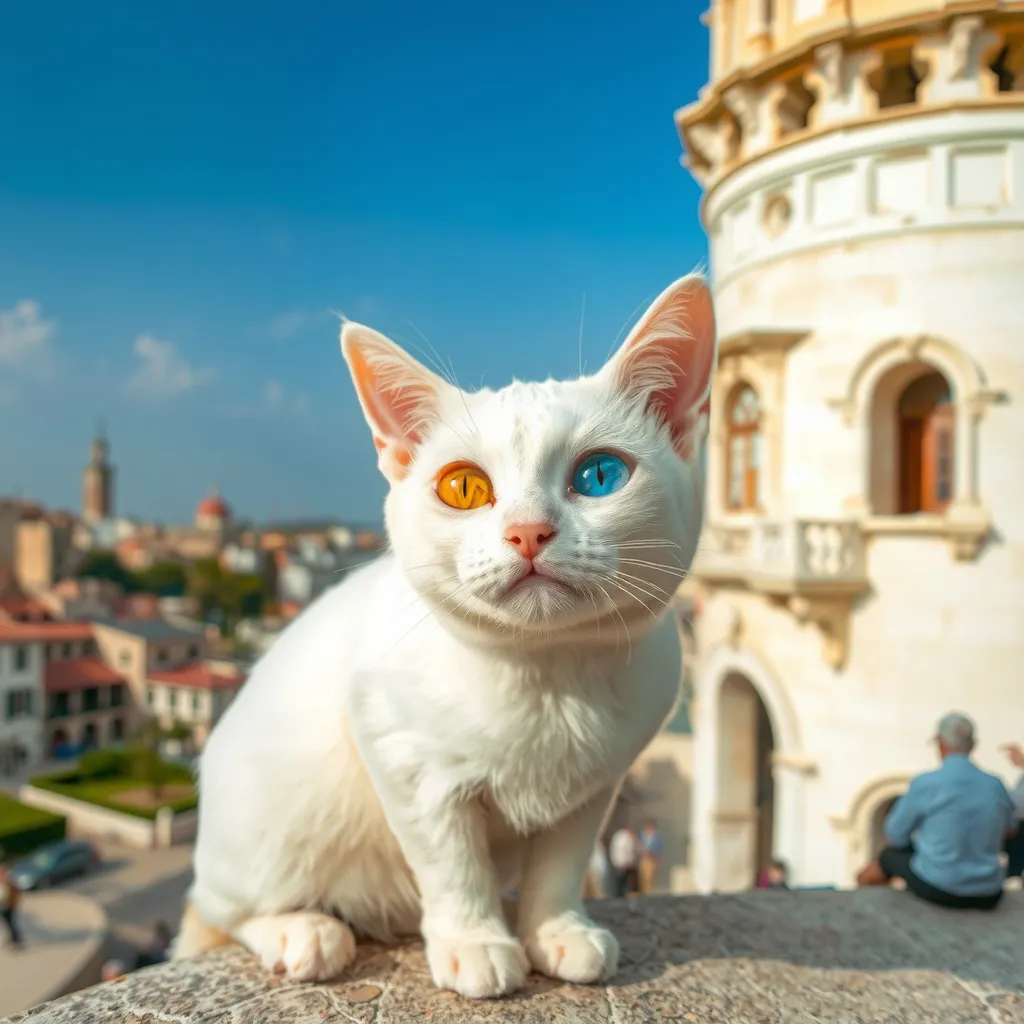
point(23, 331)
point(163, 372)
point(274, 394)
point(276, 400)
point(294, 322)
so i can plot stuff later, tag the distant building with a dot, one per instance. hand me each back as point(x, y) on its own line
point(137, 648)
point(98, 483)
point(44, 549)
point(194, 696)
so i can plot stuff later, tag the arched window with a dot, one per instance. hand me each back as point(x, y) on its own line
point(743, 452)
point(926, 433)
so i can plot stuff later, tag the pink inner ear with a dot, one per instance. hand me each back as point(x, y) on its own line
point(674, 350)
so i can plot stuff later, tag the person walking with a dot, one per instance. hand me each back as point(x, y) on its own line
point(10, 898)
point(624, 853)
point(650, 856)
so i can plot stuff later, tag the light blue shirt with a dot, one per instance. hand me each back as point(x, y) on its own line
point(957, 819)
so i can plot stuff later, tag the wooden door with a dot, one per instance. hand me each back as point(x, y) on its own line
point(910, 472)
point(937, 459)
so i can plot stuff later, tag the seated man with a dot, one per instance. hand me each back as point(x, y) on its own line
point(947, 832)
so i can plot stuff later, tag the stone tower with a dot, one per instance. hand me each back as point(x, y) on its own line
point(98, 481)
point(862, 566)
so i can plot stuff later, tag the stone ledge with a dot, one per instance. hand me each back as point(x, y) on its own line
point(760, 957)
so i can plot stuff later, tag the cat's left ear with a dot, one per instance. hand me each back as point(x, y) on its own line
point(400, 397)
point(668, 360)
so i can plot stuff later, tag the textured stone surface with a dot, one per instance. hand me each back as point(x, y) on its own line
point(756, 958)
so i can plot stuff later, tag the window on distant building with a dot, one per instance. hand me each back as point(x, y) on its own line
point(60, 706)
point(124, 658)
point(48, 652)
point(150, 697)
point(195, 702)
point(193, 651)
point(89, 648)
point(926, 436)
point(90, 698)
point(20, 658)
point(743, 450)
point(19, 704)
point(172, 699)
point(117, 695)
point(65, 651)
point(161, 655)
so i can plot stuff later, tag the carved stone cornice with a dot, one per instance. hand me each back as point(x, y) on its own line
point(758, 341)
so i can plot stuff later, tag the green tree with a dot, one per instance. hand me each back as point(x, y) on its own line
point(104, 565)
point(234, 595)
point(147, 764)
point(168, 579)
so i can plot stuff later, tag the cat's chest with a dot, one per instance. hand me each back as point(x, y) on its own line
point(533, 737)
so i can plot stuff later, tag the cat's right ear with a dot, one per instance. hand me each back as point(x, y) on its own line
point(399, 396)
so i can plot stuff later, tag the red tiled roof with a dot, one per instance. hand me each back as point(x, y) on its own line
point(197, 676)
point(22, 608)
point(43, 632)
point(78, 674)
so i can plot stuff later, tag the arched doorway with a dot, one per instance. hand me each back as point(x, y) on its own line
point(878, 816)
point(58, 742)
point(745, 812)
point(89, 738)
point(117, 730)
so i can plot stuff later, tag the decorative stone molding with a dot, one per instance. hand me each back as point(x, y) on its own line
point(957, 63)
point(855, 823)
point(840, 82)
point(832, 620)
point(965, 526)
point(799, 763)
point(965, 377)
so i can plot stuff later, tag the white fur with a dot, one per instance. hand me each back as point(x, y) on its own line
point(420, 740)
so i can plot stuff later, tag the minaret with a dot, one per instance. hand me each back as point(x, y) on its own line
point(98, 480)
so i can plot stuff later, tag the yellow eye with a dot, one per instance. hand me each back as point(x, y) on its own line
point(465, 487)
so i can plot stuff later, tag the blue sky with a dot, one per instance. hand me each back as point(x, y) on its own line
point(187, 190)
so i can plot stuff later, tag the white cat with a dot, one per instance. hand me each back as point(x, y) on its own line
point(454, 719)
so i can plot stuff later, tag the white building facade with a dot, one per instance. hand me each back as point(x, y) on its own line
point(862, 568)
point(22, 698)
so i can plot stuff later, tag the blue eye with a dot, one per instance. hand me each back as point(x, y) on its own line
point(599, 475)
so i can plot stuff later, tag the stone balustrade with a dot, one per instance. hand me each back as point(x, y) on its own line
point(766, 957)
point(784, 556)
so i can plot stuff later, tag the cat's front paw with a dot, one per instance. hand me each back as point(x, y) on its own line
point(304, 946)
point(572, 948)
point(481, 965)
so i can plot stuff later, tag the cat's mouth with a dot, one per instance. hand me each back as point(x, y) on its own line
point(537, 576)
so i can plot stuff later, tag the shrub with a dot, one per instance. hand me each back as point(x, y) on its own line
point(24, 828)
point(104, 764)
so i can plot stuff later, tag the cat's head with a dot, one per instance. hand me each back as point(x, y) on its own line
point(554, 508)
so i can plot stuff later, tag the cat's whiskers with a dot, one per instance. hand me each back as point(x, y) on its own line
point(635, 583)
point(639, 580)
point(615, 608)
point(672, 570)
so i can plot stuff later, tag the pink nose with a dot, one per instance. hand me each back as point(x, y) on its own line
point(529, 538)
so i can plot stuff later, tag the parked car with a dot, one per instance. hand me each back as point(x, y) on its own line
point(54, 862)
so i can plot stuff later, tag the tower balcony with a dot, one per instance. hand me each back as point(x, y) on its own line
point(809, 557)
point(816, 568)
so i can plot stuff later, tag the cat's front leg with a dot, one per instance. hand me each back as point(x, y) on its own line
point(560, 939)
point(468, 943)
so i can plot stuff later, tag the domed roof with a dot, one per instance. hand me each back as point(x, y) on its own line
point(213, 506)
